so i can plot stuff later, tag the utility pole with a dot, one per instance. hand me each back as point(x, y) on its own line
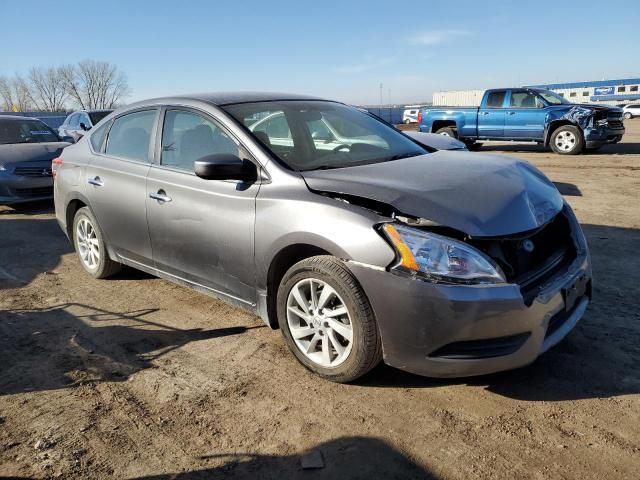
point(380, 93)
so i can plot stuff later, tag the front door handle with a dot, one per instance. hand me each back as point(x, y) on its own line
point(161, 196)
point(484, 113)
point(96, 182)
point(511, 113)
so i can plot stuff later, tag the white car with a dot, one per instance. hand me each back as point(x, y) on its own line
point(631, 111)
point(410, 115)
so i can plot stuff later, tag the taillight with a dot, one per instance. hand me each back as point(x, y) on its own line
point(419, 116)
point(55, 164)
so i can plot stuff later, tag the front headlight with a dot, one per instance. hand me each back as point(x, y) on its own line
point(440, 258)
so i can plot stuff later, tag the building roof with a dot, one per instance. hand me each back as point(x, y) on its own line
point(596, 83)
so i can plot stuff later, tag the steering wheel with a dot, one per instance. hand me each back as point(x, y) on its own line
point(341, 147)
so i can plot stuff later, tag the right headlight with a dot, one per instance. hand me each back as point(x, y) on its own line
point(441, 258)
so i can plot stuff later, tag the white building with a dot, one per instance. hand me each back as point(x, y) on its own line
point(612, 92)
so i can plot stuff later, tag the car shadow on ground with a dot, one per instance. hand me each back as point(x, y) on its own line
point(342, 458)
point(599, 358)
point(71, 344)
point(20, 261)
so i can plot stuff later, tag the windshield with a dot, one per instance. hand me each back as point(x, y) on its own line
point(310, 135)
point(25, 131)
point(97, 116)
point(553, 98)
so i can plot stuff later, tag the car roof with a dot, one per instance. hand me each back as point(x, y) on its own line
point(230, 98)
point(18, 117)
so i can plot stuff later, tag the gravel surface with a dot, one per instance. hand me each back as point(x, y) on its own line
point(135, 377)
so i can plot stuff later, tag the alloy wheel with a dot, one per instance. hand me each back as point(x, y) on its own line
point(88, 244)
point(319, 322)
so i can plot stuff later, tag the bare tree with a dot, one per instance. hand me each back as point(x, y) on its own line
point(15, 94)
point(48, 88)
point(94, 84)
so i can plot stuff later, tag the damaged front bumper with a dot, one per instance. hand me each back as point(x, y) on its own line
point(600, 135)
point(444, 330)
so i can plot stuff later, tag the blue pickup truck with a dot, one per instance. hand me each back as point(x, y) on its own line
point(528, 115)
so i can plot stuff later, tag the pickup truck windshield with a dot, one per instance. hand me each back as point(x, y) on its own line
point(25, 131)
point(553, 98)
point(311, 135)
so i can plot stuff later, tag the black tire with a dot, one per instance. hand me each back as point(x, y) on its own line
point(366, 349)
point(448, 131)
point(568, 148)
point(473, 146)
point(105, 267)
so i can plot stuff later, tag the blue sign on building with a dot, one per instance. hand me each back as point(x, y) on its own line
point(603, 91)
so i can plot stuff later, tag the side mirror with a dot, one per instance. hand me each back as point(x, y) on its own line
point(225, 166)
point(67, 138)
point(84, 127)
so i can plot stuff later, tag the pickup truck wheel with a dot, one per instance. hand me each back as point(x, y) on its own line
point(447, 132)
point(567, 140)
point(327, 320)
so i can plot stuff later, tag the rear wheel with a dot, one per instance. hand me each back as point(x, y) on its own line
point(627, 115)
point(567, 140)
point(89, 243)
point(327, 320)
point(447, 132)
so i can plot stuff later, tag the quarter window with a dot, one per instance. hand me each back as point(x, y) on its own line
point(97, 137)
point(495, 99)
point(187, 137)
point(130, 135)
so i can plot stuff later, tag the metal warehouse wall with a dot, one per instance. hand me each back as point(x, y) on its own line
point(53, 119)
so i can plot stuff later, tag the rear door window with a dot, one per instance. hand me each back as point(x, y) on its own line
point(130, 135)
point(97, 137)
point(496, 99)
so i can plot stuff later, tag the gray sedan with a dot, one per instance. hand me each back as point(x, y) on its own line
point(27, 147)
point(441, 263)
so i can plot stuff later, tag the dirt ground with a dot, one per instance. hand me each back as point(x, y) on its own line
point(135, 377)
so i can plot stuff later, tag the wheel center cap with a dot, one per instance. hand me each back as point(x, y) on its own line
point(317, 321)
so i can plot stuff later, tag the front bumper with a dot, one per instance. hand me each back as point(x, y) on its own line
point(598, 136)
point(19, 189)
point(443, 330)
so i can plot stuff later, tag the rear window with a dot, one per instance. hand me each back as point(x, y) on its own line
point(130, 135)
point(495, 99)
point(97, 116)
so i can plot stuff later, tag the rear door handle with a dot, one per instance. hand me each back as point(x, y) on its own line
point(484, 113)
point(96, 182)
point(161, 196)
point(511, 113)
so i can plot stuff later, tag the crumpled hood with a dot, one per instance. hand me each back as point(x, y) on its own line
point(479, 194)
point(30, 152)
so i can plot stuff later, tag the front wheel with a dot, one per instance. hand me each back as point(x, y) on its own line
point(627, 115)
point(327, 321)
point(567, 140)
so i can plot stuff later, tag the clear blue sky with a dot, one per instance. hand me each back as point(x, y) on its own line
point(339, 49)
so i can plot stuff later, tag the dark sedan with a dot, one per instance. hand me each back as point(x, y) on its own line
point(27, 146)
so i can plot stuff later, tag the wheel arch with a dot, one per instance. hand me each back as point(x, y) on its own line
point(282, 261)
point(438, 124)
point(554, 125)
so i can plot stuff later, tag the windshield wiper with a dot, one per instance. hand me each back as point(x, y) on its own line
point(404, 155)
